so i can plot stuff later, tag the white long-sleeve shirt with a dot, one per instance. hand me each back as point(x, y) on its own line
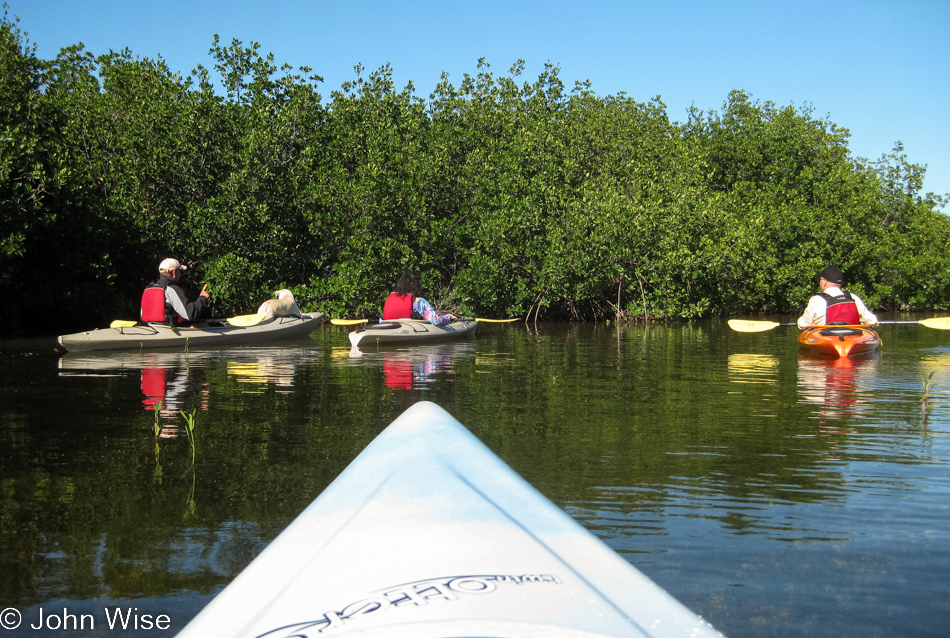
point(817, 308)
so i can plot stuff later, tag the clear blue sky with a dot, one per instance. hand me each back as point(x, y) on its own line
point(879, 68)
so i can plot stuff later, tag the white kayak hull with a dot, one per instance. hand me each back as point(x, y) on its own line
point(410, 331)
point(164, 336)
point(428, 534)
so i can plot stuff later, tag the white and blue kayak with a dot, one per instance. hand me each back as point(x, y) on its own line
point(428, 534)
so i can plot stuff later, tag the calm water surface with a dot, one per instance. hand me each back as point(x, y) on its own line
point(772, 493)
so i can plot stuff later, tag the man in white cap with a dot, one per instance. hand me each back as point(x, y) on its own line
point(165, 302)
point(834, 305)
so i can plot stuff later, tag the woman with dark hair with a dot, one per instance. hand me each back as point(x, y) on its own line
point(406, 302)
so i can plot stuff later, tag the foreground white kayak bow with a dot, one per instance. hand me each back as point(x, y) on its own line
point(428, 534)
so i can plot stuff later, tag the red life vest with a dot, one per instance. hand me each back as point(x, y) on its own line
point(153, 304)
point(841, 309)
point(397, 306)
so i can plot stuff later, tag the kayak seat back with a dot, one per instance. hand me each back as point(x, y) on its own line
point(841, 333)
point(382, 325)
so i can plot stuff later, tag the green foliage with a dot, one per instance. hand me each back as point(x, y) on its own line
point(22, 173)
point(509, 197)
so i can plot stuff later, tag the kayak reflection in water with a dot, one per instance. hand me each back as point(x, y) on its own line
point(840, 387)
point(167, 387)
point(405, 372)
point(833, 305)
point(406, 302)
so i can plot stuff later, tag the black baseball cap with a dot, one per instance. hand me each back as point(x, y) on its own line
point(832, 274)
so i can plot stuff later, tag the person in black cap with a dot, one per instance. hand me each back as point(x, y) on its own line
point(834, 305)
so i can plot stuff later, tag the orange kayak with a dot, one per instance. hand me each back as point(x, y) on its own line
point(840, 341)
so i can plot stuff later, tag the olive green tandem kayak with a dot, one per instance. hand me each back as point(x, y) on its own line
point(165, 336)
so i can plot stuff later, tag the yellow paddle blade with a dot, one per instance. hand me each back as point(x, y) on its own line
point(121, 323)
point(497, 320)
point(247, 320)
point(937, 323)
point(744, 325)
